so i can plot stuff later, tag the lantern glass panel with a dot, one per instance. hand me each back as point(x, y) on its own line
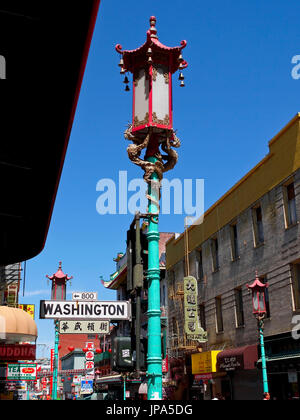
point(160, 95)
point(141, 98)
point(255, 301)
point(262, 301)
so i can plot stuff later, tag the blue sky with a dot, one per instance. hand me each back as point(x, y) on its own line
point(239, 93)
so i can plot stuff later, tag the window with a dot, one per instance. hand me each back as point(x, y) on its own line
point(234, 242)
point(215, 254)
point(258, 226)
point(200, 265)
point(263, 279)
point(202, 316)
point(239, 307)
point(219, 315)
point(290, 205)
point(296, 285)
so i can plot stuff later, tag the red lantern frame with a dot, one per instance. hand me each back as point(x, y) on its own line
point(258, 290)
point(136, 60)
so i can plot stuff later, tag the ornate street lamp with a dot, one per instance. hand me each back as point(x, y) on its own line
point(59, 292)
point(258, 290)
point(152, 66)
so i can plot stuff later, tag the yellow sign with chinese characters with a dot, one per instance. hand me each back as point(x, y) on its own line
point(27, 308)
point(204, 362)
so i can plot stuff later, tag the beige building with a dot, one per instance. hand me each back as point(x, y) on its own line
point(253, 227)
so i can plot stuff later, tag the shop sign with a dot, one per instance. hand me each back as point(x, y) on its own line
point(21, 371)
point(27, 308)
point(89, 365)
point(94, 310)
point(17, 352)
point(89, 355)
point(192, 326)
point(204, 362)
point(231, 363)
point(86, 387)
point(165, 365)
point(203, 377)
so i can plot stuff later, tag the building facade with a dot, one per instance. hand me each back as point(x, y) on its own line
point(253, 227)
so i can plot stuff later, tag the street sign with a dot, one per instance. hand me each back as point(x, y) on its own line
point(83, 327)
point(21, 372)
point(64, 309)
point(87, 296)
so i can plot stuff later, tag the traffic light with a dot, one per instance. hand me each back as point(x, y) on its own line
point(121, 355)
point(137, 256)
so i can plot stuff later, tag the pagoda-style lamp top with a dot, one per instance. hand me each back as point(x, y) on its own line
point(258, 296)
point(59, 284)
point(152, 66)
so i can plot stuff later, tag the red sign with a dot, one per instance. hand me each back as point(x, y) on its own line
point(165, 365)
point(203, 377)
point(17, 352)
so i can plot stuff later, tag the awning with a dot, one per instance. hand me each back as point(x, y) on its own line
point(16, 325)
point(239, 358)
point(113, 379)
point(280, 358)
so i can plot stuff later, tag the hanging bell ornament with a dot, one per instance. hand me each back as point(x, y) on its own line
point(150, 59)
point(180, 66)
point(122, 71)
point(182, 83)
point(180, 58)
point(121, 64)
point(181, 76)
point(126, 80)
point(149, 51)
point(127, 88)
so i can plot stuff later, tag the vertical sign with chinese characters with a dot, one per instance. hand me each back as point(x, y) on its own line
point(192, 325)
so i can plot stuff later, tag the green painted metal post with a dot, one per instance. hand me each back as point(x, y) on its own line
point(263, 357)
point(55, 362)
point(124, 387)
point(154, 359)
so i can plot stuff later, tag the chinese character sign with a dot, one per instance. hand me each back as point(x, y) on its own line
point(192, 325)
point(83, 327)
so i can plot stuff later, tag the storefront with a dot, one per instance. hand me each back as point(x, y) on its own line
point(207, 381)
point(283, 366)
point(16, 327)
point(242, 380)
point(112, 387)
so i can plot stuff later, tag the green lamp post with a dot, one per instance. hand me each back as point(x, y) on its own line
point(152, 66)
point(258, 290)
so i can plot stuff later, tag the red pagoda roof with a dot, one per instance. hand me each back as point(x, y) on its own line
point(59, 274)
point(132, 57)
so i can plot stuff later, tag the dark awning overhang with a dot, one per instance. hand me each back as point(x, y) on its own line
point(45, 45)
point(239, 358)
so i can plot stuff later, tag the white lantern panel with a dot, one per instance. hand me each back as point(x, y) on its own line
point(141, 98)
point(160, 95)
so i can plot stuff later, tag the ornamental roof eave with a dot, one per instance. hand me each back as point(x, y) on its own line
point(152, 41)
point(116, 279)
